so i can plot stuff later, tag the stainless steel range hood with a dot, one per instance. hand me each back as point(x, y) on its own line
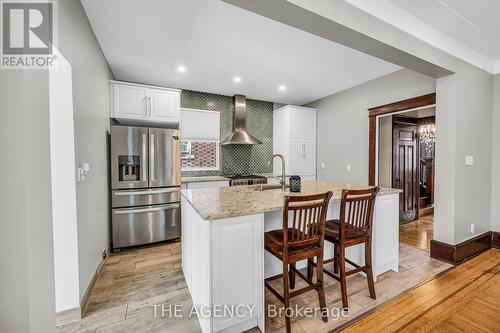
point(240, 136)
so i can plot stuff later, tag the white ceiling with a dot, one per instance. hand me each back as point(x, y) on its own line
point(145, 41)
point(468, 29)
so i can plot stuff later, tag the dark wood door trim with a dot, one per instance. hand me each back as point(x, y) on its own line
point(407, 104)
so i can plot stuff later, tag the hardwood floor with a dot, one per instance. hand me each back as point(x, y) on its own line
point(464, 299)
point(418, 233)
point(133, 281)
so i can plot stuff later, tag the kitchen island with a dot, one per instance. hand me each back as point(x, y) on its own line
point(223, 256)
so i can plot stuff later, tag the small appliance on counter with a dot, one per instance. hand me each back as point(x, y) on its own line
point(145, 185)
point(295, 183)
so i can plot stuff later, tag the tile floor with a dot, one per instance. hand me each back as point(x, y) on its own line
point(132, 281)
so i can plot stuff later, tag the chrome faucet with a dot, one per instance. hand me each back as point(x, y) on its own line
point(283, 180)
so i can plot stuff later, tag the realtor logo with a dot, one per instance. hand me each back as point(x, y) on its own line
point(27, 34)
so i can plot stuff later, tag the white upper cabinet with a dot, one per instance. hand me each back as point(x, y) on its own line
point(140, 104)
point(295, 138)
point(165, 105)
point(129, 101)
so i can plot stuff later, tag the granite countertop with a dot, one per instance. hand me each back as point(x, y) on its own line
point(218, 203)
point(220, 178)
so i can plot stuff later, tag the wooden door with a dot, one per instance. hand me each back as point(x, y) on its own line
point(404, 168)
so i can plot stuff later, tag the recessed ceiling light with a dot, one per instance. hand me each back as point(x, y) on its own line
point(237, 79)
point(181, 68)
point(282, 87)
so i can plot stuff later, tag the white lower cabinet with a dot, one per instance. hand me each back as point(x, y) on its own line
point(212, 257)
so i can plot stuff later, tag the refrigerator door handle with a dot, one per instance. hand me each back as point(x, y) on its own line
point(152, 157)
point(127, 193)
point(146, 210)
point(144, 159)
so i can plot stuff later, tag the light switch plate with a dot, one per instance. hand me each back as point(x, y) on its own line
point(348, 167)
point(469, 160)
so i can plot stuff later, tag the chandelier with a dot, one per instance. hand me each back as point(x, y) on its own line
point(428, 133)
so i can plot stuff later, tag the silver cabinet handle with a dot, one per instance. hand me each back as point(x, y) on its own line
point(152, 156)
point(303, 150)
point(150, 107)
point(146, 210)
point(145, 103)
point(126, 193)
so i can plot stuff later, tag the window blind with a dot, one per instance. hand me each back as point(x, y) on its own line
point(200, 125)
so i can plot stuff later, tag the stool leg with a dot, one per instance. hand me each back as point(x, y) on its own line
point(321, 289)
point(310, 269)
point(292, 276)
point(335, 259)
point(343, 285)
point(369, 272)
point(286, 297)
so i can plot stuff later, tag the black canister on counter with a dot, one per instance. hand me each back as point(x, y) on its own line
point(294, 183)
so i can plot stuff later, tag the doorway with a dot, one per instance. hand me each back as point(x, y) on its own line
point(402, 156)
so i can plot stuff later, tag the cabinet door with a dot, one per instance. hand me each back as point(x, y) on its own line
point(309, 159)
point(296, 157)
point(129, 101)
point(309, 126)
point(309, 143)
point(296, 125)
point(164, 104)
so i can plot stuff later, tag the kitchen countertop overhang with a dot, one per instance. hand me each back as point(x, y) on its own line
point(218, 203)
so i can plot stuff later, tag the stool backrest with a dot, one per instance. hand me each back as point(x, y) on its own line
point(356, 209)
point(308, 215)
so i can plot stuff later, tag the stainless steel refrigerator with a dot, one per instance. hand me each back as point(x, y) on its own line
point(145, 185)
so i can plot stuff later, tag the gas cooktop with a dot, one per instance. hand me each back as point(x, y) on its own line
point(243, 179)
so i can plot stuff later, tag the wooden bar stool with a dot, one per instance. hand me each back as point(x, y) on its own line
point(352, 228)
point(302, 240)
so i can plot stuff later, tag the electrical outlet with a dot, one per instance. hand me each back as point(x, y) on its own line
point(323, 165)
point(469, 160)
point(348, 167)
point(472, 227)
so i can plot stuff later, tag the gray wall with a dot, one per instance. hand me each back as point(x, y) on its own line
point(343, 122)
point(473, 136)
point(27, 302)
point(495, 172)
point(90, 101)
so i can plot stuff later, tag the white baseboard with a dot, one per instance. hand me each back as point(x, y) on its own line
point(90, 287)
point(68, 316)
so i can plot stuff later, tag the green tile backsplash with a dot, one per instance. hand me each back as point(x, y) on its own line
point(236, 158)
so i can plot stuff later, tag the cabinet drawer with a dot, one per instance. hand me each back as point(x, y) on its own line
point(143, 225)
point(128, 198)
